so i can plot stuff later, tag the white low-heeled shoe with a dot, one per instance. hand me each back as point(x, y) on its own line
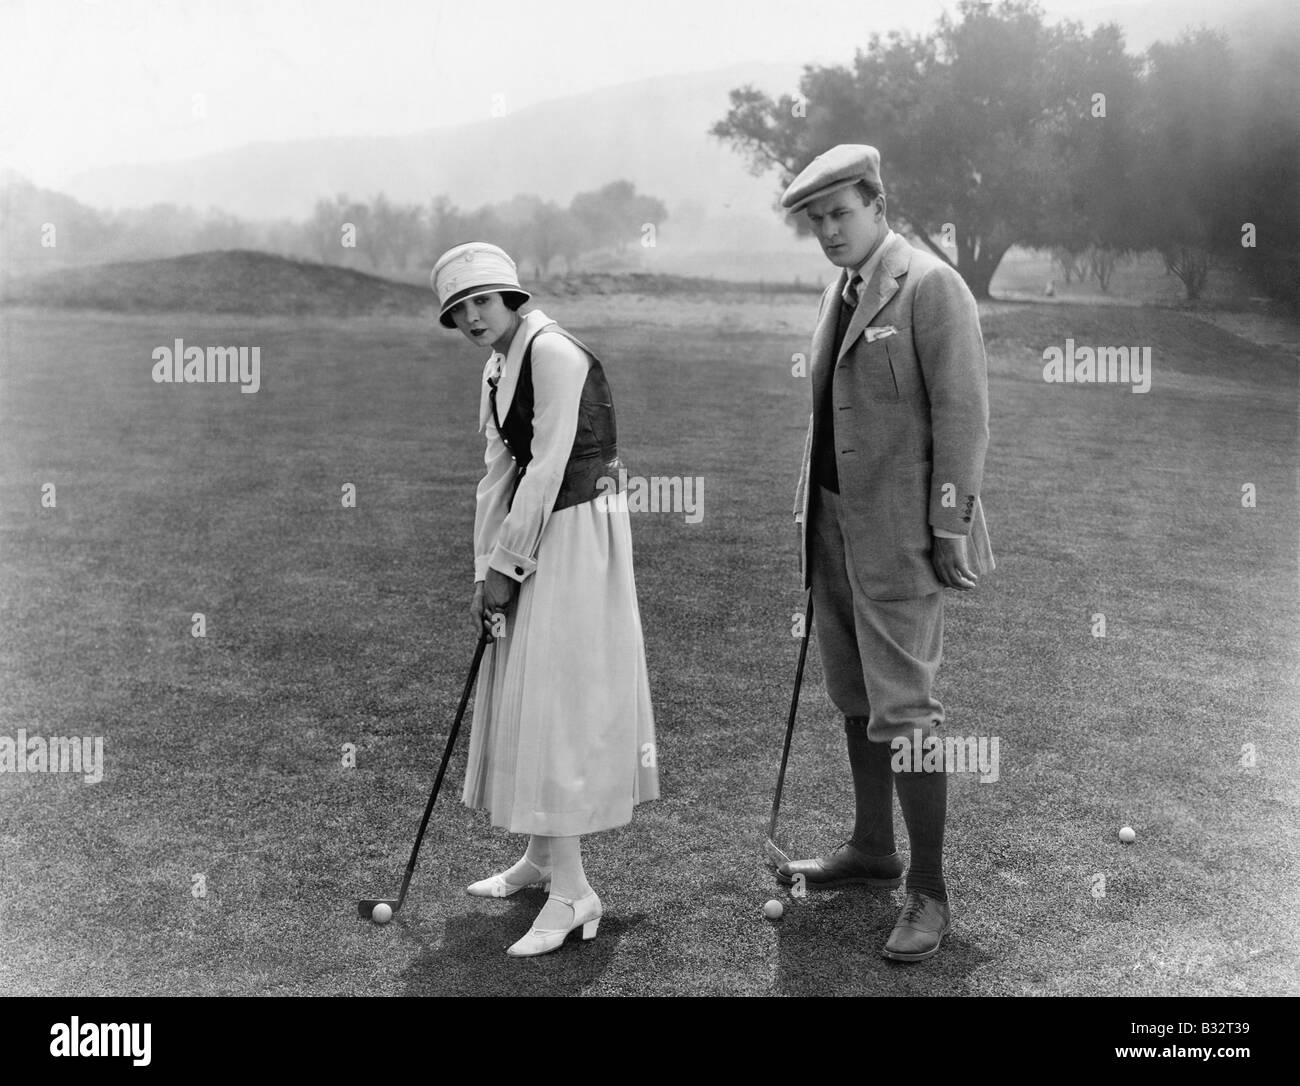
point(496, 885)
point(586, 915)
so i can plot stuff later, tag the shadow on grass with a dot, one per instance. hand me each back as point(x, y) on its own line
point(472, 959)
point(829, 944)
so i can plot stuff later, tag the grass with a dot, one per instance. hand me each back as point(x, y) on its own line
point(329, 626)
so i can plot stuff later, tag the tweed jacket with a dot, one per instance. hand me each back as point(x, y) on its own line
point(909, 388)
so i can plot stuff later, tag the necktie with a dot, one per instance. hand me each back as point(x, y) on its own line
point(493, 380)
point(851, 289)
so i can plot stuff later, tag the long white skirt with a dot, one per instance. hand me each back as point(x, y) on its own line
point(563, 732)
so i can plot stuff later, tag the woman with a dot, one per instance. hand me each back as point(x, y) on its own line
point(563, 732)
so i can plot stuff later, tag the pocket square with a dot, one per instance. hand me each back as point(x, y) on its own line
point(885, 332)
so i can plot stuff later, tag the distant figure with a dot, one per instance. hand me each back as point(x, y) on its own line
point(563, 731)
point(1050, 290)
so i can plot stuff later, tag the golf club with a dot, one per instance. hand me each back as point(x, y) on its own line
point(776, 856)
point(366, 907)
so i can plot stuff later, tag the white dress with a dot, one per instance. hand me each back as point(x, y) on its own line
point(562, 741)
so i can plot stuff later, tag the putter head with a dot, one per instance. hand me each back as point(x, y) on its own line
point(774, 853)
point(365, 908)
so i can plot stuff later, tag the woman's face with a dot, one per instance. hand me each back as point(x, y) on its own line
point(486, 321)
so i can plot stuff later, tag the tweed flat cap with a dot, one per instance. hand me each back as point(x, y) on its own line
point(841, 166)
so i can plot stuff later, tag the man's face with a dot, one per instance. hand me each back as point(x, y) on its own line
point(486, 321)
point(847, 229)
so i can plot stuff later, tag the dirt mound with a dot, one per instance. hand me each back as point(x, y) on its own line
point(263, 284)
point(233, 281)
point(589, 283)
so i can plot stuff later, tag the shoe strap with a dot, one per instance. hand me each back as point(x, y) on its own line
point(571, 902)
point(543, 873)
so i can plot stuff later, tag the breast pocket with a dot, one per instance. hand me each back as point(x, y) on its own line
point(904, 366)
point(874, 372)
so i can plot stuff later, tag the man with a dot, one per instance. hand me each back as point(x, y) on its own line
point(890, 515)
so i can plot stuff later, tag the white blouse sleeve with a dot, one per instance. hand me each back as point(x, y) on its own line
point(494, 488)
point(507, 541)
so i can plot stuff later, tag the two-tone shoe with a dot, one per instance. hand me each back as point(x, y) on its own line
point(846, 866)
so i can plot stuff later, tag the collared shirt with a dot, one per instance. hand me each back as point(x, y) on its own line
point(825, 471)
point(504, 368)
point(868, 267)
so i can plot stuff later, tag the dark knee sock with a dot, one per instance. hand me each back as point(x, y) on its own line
point(873, 790)
point(924, 800)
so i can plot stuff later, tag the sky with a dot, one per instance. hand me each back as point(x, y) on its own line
point(88, 83)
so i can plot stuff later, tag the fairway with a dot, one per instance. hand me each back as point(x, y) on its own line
point(226, 845)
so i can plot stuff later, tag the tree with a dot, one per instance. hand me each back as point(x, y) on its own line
point(537, 230)
point(517, 217)
point(222, 230)
point(396, 228)
point(973, 120)
point(1092, 206)
point(325, 227)
point(554, 232)
point(442, 228)
point(1101, 265)
point(616, 215)
point(1265, 192)
point(1187, 168)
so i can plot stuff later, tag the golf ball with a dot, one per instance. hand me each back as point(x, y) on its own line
point(773, 909)
point(382, 913)
point(1127, 834)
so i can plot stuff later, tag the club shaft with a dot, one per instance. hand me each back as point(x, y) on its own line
point(794, 709)
point(446, 758)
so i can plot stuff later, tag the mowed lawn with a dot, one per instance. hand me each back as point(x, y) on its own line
point(329, 626)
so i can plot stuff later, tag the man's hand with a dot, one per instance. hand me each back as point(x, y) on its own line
point(948, 556)
point(498, 591)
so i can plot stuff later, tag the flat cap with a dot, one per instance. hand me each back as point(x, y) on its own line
point(843, 165)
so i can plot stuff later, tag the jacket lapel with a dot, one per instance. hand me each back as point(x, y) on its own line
point(878, 292)
point(824, 338)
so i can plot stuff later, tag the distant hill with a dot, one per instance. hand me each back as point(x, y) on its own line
point(653, 132)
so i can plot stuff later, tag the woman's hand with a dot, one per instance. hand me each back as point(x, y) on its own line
point(498, 591)
point(476, 613)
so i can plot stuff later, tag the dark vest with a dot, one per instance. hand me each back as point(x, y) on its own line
point(594, 455)
point(824, 470)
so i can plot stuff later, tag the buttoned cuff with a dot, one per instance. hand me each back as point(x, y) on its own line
point(515, 566)
point(943, 533)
